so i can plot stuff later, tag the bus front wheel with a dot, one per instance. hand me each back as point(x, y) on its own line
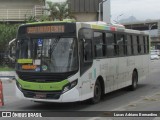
point(97, 93)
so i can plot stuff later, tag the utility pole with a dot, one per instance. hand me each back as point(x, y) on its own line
point(100, 4)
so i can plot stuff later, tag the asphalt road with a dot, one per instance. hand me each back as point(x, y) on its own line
point(145, 98)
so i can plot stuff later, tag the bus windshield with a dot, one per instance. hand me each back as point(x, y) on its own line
point(55, 55)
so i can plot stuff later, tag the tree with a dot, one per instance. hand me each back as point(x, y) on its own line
point(31, 19)
point(42, 2)
point(7, 33)
point(59, 11)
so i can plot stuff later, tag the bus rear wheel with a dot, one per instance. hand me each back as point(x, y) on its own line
point(134, 81)
point(97, 93)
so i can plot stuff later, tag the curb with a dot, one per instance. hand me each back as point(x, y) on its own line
point(7, 73)
point(7, 76)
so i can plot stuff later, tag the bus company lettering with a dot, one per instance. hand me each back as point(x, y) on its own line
point(22, 115)
point(45, 29)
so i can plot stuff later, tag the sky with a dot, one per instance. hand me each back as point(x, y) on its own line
point(141, 9)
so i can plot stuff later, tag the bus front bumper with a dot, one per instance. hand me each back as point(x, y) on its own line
point(72, 95)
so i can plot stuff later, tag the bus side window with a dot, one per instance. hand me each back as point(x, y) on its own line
point(116, 47)
point(141, 44)
point(135, 46)
point(98, 44)
point(147, 39)
point(138, 45)
point(145, 44)
point(87, 50)
point(129, 45)
point(110, 44)
point(120, 44)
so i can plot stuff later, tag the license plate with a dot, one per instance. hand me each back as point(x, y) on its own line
point(40, 96)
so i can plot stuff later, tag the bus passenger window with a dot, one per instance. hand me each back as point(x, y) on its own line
point(120, 44)
point(98, 44)
point(129, 45)
point(147, 39)
point(145, 44)
point(141, 44)
point(138, 45)
point(110, 44)
point(135, 46)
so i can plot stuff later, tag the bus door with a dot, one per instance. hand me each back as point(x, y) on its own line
point(86, 60)
point(122, 59)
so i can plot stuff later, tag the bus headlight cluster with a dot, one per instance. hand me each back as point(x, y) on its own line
point(70, 86)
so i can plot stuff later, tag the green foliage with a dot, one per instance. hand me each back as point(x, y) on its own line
point(30, 19)
point(43, 18)
point(6, 68)
point(59, 11)
point(42, 2)
point(7, 33)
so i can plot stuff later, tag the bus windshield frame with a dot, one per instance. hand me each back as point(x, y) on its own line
point(47, 52)
point(56, 55)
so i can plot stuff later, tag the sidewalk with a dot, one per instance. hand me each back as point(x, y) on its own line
point(146, 103)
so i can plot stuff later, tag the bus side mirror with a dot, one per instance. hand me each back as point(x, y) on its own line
point(12, 50)
point(85, 33)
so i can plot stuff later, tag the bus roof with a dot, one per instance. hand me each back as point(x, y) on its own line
point(49, 22)
point(111, 27)
point(95, 25)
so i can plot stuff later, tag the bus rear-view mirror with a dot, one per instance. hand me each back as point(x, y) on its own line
point(85, 33)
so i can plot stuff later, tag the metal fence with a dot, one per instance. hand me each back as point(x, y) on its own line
point(20, 14)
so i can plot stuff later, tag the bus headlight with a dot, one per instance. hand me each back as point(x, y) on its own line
point(70, 86)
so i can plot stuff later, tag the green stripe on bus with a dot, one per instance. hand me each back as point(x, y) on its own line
point(54, 86)
point(25, 61)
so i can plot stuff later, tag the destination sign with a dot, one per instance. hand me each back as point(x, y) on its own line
point(45, 29)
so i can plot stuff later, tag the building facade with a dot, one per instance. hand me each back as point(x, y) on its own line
point(88, 10)
point(84, 10)
point(19, 10)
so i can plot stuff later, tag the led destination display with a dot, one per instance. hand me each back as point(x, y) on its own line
point(45, 29)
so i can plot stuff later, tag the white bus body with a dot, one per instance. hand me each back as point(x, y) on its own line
point(113, 73)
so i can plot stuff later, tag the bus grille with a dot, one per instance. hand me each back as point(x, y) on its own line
point(43, 77)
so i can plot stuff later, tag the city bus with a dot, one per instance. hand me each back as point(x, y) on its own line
point(66, 61)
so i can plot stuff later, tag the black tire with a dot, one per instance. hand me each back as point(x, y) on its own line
point(134, 81)
point(97, 93)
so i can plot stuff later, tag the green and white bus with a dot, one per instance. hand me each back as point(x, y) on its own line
point(76, 61)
